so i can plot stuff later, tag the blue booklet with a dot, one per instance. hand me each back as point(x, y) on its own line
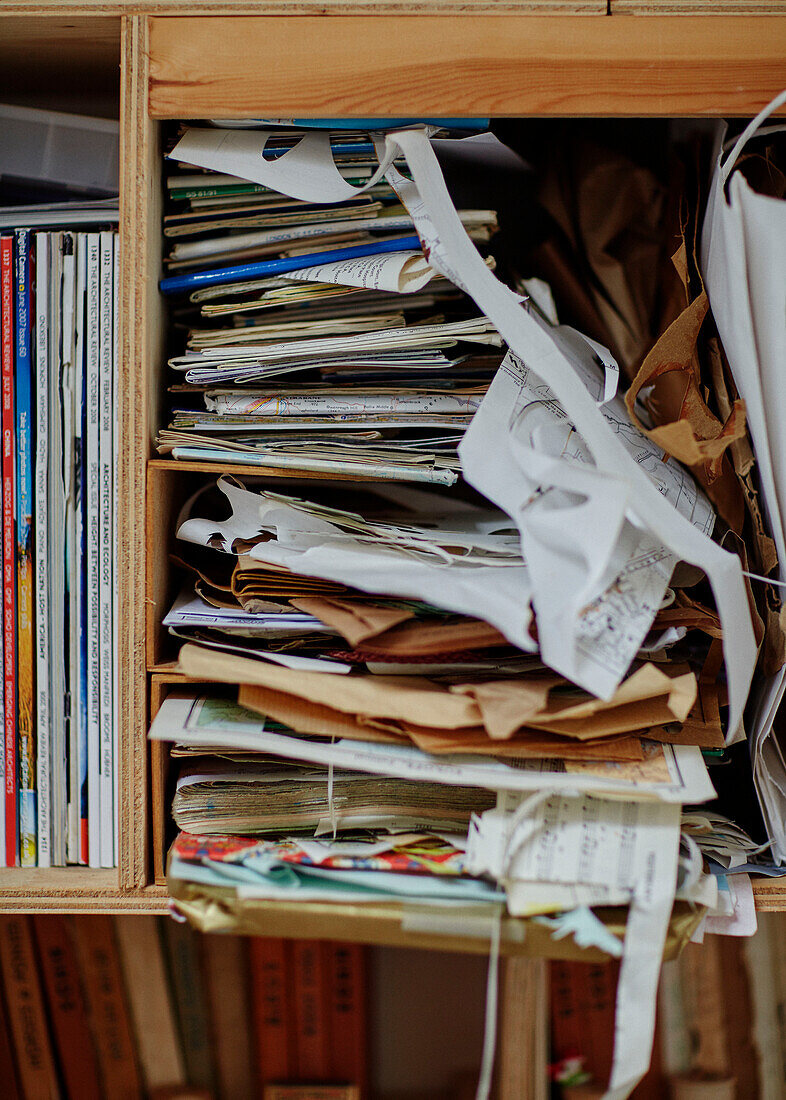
point(177, 284)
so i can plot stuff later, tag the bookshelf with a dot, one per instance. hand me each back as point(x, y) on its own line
point(151, 60)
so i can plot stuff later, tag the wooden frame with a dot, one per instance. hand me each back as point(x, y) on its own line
point(542, 65)
point(431, 65)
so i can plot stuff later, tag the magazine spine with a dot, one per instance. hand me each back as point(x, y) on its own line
point(115, 514)
point(9, 571)
point(67, 414)
point(79, 599)
point(58, 585)
point(92, 541)
point(105, 520)
point(41, 550)
point(24, 564)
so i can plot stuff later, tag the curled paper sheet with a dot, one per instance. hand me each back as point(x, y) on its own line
point(597, 580)
point(449, 249)
point(309, 172)
point(742, 248)
point(398, 272)
point(495, 589)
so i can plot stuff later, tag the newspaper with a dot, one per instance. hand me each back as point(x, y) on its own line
point(630, 570)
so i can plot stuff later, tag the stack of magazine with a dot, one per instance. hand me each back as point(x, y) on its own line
point(59, 355)
point(318, 338)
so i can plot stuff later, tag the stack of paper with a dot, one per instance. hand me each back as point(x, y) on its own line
point(319, 337)
point(551, 643)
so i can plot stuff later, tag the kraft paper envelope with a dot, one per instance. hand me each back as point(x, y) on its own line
point(410, 698)
point(647, 698)
point(353, 619)
point(667, 699)
point(379, 629)
point(305, 717)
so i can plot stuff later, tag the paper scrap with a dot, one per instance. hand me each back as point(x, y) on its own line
point(597, 842)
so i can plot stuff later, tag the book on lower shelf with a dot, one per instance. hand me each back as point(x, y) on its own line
point(136, 1005)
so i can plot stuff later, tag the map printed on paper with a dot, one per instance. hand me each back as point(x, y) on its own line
point(331, 405)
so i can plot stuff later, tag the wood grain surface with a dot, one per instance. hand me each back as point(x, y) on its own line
point(106, 8)
point(431, 65)
point(52, 8)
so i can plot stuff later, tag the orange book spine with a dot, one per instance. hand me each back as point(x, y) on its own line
point(309, 996)
point(270, 961)
point(582, 1014)
point(8, 1071)
point(566, 1037)
point(67, 1006)
point(108, 1012)
point(599, 1005)
point(26, 1013)
point(345, 966)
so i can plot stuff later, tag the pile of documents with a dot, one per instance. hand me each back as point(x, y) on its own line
point(521, 667)
point(319, 338)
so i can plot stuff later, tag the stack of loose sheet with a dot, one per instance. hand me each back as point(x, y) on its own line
point(319, 338)
point(490, 693)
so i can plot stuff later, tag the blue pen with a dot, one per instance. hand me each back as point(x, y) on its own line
point(177, 283)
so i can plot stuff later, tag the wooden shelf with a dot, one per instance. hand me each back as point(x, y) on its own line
point(770, 894)
point(509, 66)
point(104, 8)
point(385, 925)
point(374, 57)
point(73, 890)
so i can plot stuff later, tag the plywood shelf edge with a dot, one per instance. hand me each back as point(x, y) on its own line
point(74, 890)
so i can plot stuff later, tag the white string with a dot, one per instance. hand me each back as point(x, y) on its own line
point(763, 131)
point(490, 1022)
point(523, 811)
point(764, 580)
point(492, 983)
point(331, 804)
point(749, 131)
